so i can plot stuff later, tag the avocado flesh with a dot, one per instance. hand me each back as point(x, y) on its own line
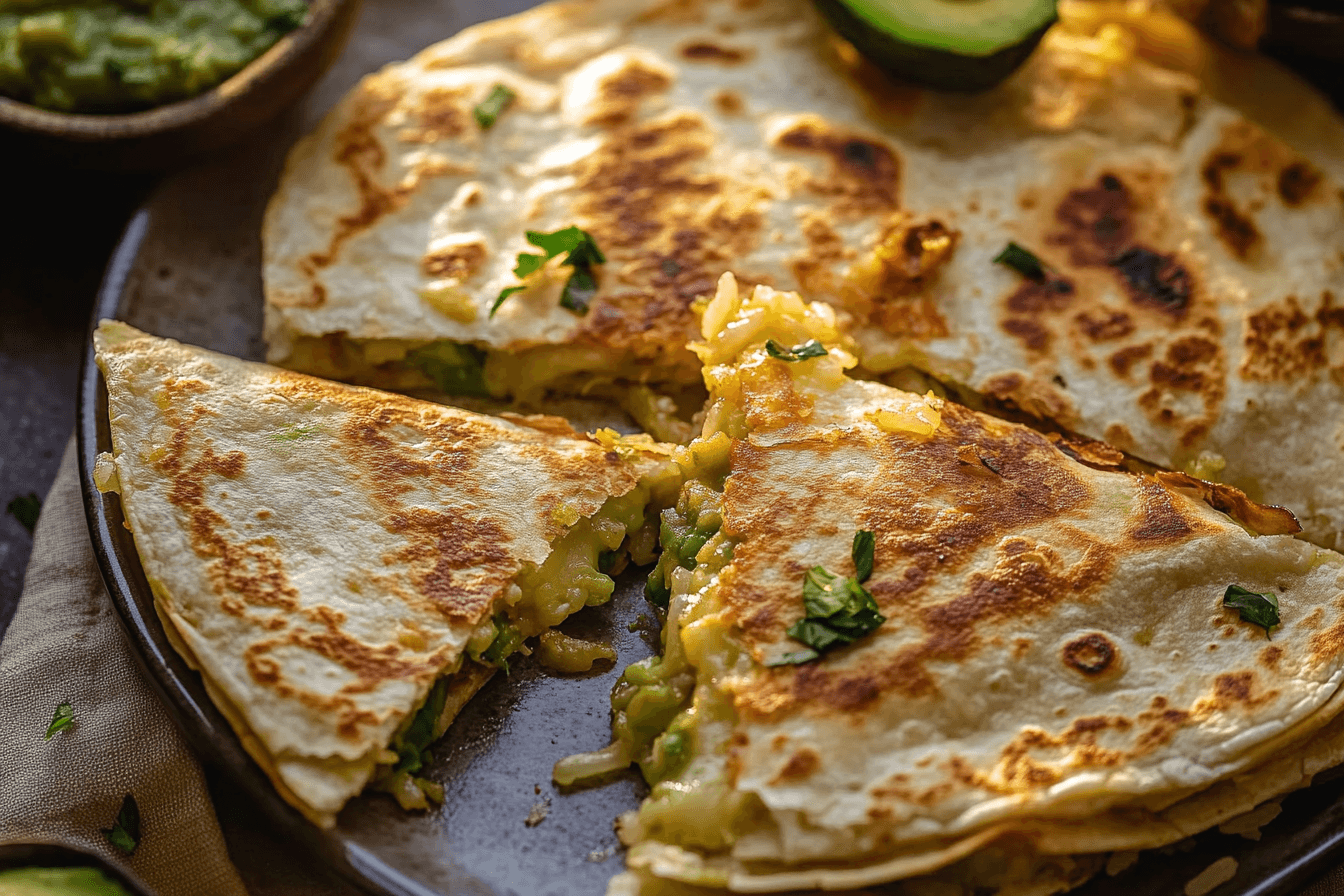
point(960, 45)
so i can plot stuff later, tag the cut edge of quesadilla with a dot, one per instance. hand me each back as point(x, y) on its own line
point(594, 527)
point(676, 715)
point(659, 397)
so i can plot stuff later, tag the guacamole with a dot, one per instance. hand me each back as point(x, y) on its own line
point(59, 882)
point(101, 56)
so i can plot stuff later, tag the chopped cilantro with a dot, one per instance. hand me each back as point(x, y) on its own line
point(63, 718)
point(1022, 261)
point(507, 640)
point(579, 291)
point(656, 591)
point(1255, 608)
point(490, 108)
point(125, 831)
point(454, 368)
point(862, 554)
point(415, 742)
point(801, 352)
point(583, 253)
point(838, 610)
point(25, 509)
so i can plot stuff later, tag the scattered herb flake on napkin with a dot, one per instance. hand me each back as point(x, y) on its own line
point(125, 832)
point(61, 720)
point(25, 509)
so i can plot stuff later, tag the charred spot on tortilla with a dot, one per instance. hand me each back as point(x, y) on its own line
point(709, 51)
point(1092, 655)
point(865, 172)
point(1156, 280)
point(1296, 182)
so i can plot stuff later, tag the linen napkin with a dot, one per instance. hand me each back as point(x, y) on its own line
point(65, 645)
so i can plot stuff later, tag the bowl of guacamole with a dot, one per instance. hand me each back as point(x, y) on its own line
point(46, 869)
point(147, 83)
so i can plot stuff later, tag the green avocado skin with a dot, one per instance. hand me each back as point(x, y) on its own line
point(58, 882)
point(928, 66)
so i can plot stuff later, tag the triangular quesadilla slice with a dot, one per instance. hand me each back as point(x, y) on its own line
point(347, 567)
point(903, 636)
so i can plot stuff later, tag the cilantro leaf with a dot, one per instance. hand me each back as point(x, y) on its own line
point(528, 264)
point(1022, 261)
point(63, 718)
point(488, 110)
point(823, 594)
point(1258, 609)
point(795, 658)
point(566, 239)
point(581, 253)
point(25, 509)
point(862, 554)
point(507, 640)
point(837, 611)
point(125, 832)
point(801, 352)
point(415, 741)
point(580, 290)
point(504, 294)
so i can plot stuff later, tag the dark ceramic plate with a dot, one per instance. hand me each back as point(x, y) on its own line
point(495, 761)
point(188, 267)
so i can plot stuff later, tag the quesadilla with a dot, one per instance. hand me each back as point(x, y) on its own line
point(907, 640)
point(1191, 314)
point(346, 567)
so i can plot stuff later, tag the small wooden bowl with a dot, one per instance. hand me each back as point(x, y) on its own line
point(168, 135)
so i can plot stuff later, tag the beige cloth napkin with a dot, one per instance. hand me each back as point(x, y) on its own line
point(65, 644)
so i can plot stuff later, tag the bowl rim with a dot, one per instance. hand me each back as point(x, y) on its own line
point(322, 14)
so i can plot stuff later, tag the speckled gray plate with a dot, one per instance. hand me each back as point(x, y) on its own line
point(189, 267)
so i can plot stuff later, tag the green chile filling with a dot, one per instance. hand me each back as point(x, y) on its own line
point(568, 580)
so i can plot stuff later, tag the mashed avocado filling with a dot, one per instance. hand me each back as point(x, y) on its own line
point(458, 369)
point(573, 576)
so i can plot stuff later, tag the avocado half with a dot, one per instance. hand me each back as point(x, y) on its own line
point(962, 45)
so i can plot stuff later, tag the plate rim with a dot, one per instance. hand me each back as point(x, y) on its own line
point(179, 687)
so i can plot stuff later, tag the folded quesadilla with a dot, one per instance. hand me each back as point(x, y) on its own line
point(906, 640)
point(347, 567)
point(1186, 305)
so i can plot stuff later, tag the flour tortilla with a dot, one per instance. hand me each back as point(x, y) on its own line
point(321, 552)
point(1056, 669)
point(693, 138)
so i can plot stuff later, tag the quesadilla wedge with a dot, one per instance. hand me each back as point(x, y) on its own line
point(346, 567)
point(1185, 205)
point(906, 640)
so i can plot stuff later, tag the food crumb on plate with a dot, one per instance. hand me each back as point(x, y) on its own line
point(538, 812)
point(1212, 877)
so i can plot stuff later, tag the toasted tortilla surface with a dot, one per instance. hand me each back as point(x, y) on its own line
point(322, 552)
point(1056, 673)
point(1193, 315)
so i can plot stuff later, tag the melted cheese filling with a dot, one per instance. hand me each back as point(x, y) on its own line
point(573, 576)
